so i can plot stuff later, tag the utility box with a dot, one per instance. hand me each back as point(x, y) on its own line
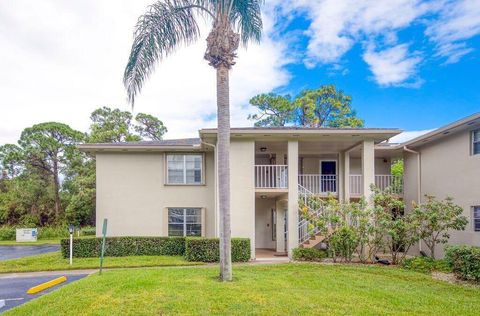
point(26, 234)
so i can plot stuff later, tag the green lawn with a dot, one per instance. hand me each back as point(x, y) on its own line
point(54, 261)
point(288, 289)
point(51, 241)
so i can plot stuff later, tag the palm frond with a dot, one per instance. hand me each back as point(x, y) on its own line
point(165, 26)
point(246, 16)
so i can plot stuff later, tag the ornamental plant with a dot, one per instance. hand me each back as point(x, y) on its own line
point(436, 220)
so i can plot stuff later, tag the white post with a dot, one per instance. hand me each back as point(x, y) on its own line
point(71, 247)
point(346, 174)
point(368, 168)
point(292, 196)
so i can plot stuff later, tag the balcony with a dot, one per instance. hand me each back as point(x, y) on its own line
point(382, 181)
point(276, 177)
point(271, 177)
point(327, 184)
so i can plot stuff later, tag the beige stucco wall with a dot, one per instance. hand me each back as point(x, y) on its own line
point(449, 169)
point(132, 194)
point(263, 223)
point(311, 165)
point(242, 190)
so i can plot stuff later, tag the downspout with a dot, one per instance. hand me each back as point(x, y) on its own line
point(215, 184)
point(419, 181)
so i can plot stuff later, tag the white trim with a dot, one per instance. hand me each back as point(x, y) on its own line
point(327, 160)
point(202, 170)
point(473, 141)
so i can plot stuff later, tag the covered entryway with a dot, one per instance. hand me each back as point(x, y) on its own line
point(270, 225)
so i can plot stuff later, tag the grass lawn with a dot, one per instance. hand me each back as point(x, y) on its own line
point(55, 241)
point(287, 289)
point(54, 261)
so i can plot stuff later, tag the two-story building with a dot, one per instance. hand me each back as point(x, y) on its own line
point(169, 187)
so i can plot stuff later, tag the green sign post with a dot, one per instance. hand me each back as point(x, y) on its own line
point(104, 233)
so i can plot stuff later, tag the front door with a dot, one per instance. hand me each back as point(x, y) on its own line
point(328, 175)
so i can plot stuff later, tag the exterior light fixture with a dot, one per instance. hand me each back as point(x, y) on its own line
point(263, 149)
point(263, 196)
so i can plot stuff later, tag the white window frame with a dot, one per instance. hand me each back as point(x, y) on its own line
point(184, 209)
point(473, 141)
point(476, 207)
point(202, 168)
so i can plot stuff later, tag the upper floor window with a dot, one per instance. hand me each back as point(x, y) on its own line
point(476, 142)
point(476, 218)
point(184, 168)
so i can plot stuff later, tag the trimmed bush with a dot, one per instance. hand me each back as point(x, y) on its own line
point(207, 249)
point(464, 261)
point(426, 265)
point(125, 246)
point(88, 231)
point(7, 233)
point(309, 254)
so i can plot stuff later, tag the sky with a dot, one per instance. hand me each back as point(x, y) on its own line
point(408, 64)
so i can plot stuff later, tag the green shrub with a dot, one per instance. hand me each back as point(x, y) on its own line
point(464, 261)
point(88, 231)
point(125, 246)
point(207, 249)
point(52, 232)
point(425, 265)
point(343, 244)
point(309, 254)
point(7, 233)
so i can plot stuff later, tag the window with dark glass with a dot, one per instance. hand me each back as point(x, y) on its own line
point(184, 222)
point(476, 142)
point(476, 218)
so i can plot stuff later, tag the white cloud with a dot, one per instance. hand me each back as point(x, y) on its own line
point(335, 26)
point(393, 66)
point(406, 136)
point(61, 60)
point(457, 21)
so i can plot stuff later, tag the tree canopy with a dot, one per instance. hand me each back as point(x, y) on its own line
point(322, 107)
point(46, 180)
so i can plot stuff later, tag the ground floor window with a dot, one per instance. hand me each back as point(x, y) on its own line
point(184, 222)
point(476, 218)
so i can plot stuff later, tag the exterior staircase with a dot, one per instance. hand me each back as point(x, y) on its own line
point(308, 237)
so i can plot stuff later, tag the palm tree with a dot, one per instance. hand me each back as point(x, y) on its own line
point(169, 24)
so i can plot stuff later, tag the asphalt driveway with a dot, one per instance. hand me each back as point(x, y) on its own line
point(13, 290)
point(13, 252)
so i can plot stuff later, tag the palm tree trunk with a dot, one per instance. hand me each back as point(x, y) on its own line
point(223, 147)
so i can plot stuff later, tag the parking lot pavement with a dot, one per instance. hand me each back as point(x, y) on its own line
point(13, 291)
point(13, 252)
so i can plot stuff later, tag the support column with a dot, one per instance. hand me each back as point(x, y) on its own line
point(368, 168)
point(280, 207)
point(292, 239)
point(341, 177)
point(346, 174)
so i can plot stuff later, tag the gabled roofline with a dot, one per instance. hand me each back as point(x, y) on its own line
point(444, 130)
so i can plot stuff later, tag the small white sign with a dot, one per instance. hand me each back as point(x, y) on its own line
point(26, 234)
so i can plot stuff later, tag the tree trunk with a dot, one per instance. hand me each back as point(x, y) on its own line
point(57, 189)
point(223, 149)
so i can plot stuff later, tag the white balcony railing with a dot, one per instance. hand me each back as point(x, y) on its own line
point(382, 181)
point(318, 183)
point(271, 176)
point(356, 185)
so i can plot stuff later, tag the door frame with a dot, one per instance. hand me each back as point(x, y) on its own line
point(327, 160)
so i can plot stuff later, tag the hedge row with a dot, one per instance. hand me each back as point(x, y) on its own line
point(47, 232)
point(125, 246)
point(464, 261)
point(193, 248)
point(207, 249)
point(309, 254)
